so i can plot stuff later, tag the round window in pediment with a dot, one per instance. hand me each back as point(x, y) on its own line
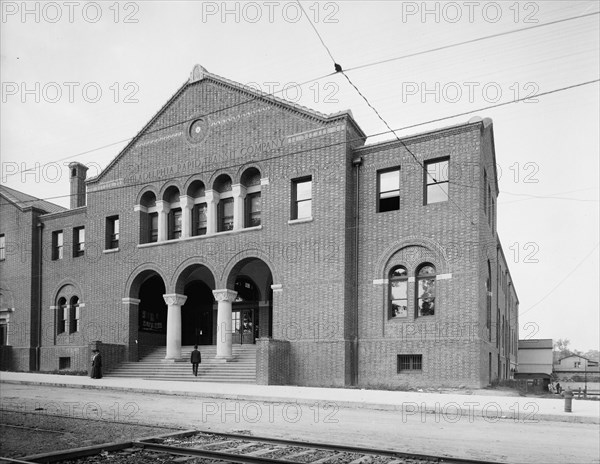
point(197, 130)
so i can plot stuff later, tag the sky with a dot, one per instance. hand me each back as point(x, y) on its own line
point(80, 79)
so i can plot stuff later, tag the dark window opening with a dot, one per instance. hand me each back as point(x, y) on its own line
point(226, 215)
point(61, 316)
point(253, 210)
point(153, 225)
point(199, 219)
point(112, 232)
point(64, 363)
point(3, 334)
point(78, 241)
point(57, 245)
point(175, 224)
point(410, 362)
point(74, 320)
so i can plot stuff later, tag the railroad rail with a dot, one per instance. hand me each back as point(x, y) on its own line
point(211, 447)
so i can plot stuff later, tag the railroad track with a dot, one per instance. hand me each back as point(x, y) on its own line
point(220, 448)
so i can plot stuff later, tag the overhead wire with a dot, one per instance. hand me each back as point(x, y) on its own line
point(266, 94)
point(466, 42)
point(351, 140)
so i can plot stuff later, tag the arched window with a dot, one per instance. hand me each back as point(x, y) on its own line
point(425, 290)
point(61, 315)
point(398, 292)
point(251, 181)
point(197, 192)
point(148, 218)
point(223, 187)
point(74, 322)
point(174, 225)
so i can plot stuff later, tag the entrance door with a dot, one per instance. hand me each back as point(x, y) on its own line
point(197, 315)
point(244, 323)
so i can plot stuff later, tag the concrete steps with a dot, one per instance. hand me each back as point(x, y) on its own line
point(242, 369)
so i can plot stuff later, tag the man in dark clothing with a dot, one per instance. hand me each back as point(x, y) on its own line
point(195, 359)
point(96, 365)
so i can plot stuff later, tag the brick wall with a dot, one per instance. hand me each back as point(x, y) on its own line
point(19, 281)
point(444, 234)
point(272, 362)
point(330, 307)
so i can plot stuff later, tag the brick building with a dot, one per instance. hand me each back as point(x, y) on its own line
point(236, 217)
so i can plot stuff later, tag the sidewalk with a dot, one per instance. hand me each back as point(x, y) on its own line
point(491, 407)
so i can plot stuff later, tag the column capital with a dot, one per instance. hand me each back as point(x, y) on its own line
point(175, 299)
point(212, 196)
point(238, 190)
point(225, 295)
point(134, 301)
point(162, 206)
point(186, 201)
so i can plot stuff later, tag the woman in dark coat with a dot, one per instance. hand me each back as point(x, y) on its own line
point(96, 365)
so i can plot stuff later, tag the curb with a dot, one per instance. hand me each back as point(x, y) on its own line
point(407, 409)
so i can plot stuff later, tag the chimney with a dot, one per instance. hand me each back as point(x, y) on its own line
point(77, 179)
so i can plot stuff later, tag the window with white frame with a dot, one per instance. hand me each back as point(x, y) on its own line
point(302, 198)
point(398, 280)
point(57, 244)
point(425, 290)
point(78, 241)
point(388, 190)
point(436, 183)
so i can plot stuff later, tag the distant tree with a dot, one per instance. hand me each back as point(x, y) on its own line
point(562, 347)
point(594, 355)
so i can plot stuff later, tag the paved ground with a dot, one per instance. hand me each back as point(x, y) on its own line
point(388, 420)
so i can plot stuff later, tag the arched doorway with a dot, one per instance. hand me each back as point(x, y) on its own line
point(245, 311)
point(197, 314)
point(196, 282)
point(152, 311)
point(252, 310)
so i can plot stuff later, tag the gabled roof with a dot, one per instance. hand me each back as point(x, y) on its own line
point(200, 74)
point(576, 356)
point(23, 201)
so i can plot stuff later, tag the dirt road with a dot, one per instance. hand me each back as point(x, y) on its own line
point(443, 433)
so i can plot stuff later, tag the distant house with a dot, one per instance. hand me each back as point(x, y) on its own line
point(535, 361)
point(575, 363)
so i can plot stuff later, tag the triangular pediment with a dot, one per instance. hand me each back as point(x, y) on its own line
point(212, 122)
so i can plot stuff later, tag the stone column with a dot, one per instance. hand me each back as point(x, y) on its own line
point(131, 305)
point(174, 303)
point(163, 209)
point(239, 194)
point(212, 199)
point(186, 215)
point(67, 317)
point(224, 299)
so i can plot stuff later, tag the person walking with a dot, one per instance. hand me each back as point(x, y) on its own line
point(96, 364)
point(195, 359)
